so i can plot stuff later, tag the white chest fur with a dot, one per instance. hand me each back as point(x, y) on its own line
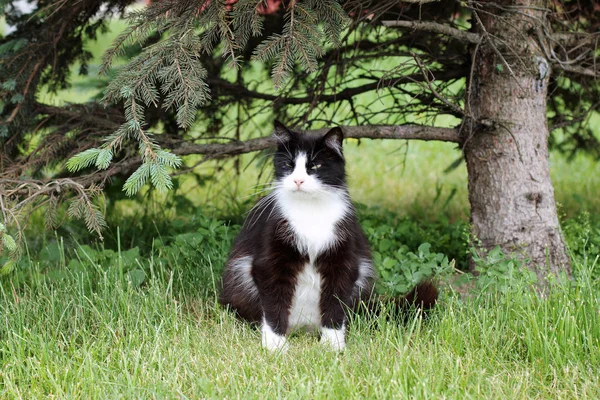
point(305, 308)
point(313, 220)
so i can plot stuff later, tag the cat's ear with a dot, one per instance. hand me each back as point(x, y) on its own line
point(282, 133)
point(333, 139)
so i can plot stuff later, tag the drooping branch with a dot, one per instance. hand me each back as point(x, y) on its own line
point(36, 193)
point(221, 150)
point(345, 94)
point(435, 27)
point(581, 41)
point(573, 52)
point(232, 148)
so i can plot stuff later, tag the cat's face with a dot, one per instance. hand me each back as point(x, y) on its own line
point(309, 166)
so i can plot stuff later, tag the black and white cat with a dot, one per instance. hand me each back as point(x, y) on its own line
point(301, 258)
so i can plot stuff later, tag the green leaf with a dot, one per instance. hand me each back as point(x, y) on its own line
point(16, 98)
point(424, 249)
point(51, 253)
point(130, 255)
point(168, 158)
point(160, 178)
point(136, 277)
point(384, 245)
point(13, 46)
point(389, 263)
point(9, 85)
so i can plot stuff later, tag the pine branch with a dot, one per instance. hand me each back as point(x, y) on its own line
point(302, 37)
point(344, 94)
point(435, 27)
point(247, 22)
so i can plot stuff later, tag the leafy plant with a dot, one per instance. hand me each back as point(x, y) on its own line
point(405, 269)
point(387, 232)
point(502, 272)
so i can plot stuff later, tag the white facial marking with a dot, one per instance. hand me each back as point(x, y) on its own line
point(299, 180)
point(271, 340)
point(305, 308)
point(311, 208)
point(334, 338)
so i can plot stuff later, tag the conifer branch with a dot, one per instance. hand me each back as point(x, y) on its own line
point(435, 27)
point(344, 94)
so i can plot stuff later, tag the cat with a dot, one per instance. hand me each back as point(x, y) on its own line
point(301, 258)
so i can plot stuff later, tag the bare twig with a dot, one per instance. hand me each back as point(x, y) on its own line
point(594, 73)
point(344, 94)
point(419, 1)
point(432, 89)
point(574, 38)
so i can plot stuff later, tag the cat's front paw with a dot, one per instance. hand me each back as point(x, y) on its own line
point(273, 341)
point(335, 339)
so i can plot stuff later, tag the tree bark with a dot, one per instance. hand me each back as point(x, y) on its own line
point(510, 190)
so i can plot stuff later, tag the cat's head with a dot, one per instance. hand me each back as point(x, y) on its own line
point(308, 165)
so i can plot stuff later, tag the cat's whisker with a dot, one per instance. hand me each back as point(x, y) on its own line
point(267, 205)
point(264, 188)
point(262, 203)
point(259, 204)
point(256, 193)
point(259, 186)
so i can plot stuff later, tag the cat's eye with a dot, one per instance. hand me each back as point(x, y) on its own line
point(289, 164)
point(315, 166)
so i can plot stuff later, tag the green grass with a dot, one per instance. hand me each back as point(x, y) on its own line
point(90, 334)
point(90, 322)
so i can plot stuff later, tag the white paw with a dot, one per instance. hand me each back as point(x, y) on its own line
point(271, 340)
point(334, 338)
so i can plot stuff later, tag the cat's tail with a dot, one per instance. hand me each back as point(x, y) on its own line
point(422, 298)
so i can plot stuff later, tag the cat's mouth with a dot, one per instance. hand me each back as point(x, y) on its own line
point(302, 192)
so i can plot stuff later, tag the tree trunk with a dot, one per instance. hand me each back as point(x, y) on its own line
point(510, 191)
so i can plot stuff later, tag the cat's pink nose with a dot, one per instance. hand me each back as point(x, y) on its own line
point(298, 182)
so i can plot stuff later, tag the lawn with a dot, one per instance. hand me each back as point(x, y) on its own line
point(136, 316)
point(110, 324)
